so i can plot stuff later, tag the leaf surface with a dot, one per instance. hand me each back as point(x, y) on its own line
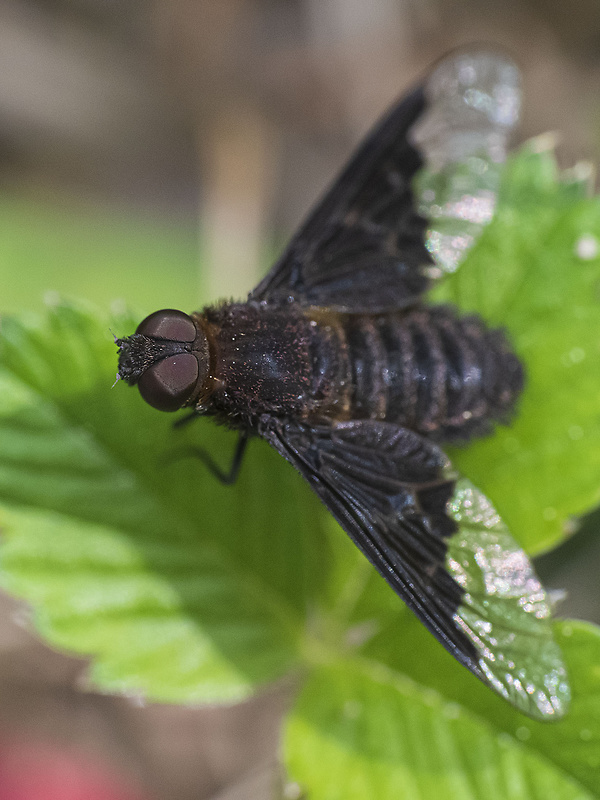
point(360, 730)
point(181, 589)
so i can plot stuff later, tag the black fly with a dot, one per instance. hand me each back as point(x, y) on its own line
point(336, 360)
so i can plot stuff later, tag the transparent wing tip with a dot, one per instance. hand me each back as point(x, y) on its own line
point(474, 101)
point(478, 88)
point(505, 611)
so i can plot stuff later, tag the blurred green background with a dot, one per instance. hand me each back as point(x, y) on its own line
point(153, 154)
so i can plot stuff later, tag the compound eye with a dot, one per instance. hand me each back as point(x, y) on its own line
point(168, 324)
point(169, 384)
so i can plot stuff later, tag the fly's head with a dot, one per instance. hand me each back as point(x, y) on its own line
point(167, 358)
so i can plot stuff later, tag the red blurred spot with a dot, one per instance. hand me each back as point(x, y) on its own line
point(43, 773)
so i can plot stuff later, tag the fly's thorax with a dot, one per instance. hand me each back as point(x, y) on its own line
point(168, 358)
point(261, 361)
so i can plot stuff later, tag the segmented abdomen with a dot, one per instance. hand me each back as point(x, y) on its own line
point(426, 369)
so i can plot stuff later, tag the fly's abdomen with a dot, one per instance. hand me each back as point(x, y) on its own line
point(426, 369)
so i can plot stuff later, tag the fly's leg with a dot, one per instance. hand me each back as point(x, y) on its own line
point(226, 478)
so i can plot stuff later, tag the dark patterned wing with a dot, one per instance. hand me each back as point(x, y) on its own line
point(365, 248)
point(387, 488)
point(475, 590)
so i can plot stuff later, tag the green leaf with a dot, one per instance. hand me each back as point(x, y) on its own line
point(359, 730)
point(177, 586)
point(572, 744)
point(185, 590)
point(530, 273)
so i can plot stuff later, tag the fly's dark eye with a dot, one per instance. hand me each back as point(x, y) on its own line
point(169, 384)
point(168, 324)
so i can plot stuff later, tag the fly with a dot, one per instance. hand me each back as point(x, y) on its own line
point(337, 361)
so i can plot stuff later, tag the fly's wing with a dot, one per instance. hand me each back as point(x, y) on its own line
point(474, 103)
point(392, 492)
point(365, 248)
